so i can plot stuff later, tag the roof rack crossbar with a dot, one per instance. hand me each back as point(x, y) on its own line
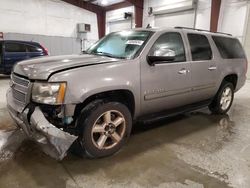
point(178, 27)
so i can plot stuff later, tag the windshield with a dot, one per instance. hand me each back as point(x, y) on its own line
point(123, 44)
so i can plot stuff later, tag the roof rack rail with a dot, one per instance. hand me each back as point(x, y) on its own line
point(178, 27)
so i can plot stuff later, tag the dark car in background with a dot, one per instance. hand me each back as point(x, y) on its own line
point(13, 51)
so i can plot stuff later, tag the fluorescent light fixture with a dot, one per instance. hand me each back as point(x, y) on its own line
point(104, 2)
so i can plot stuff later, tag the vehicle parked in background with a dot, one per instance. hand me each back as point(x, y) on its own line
point(13, 51)
point(127, 76)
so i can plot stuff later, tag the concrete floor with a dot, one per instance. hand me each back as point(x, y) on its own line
point(192, 150)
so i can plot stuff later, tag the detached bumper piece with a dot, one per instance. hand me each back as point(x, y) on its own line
point(55, 141)
point(52, 140)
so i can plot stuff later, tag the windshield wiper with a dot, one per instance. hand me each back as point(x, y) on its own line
point(107, 54)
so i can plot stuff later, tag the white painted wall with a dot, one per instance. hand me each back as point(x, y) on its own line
point(200, 19)
point(247, 38)
point(45, 17)
point(232, 18)
point(114, 22)
point(203, 14)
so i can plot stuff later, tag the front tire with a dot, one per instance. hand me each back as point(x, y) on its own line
point(223, 99)
point(105, 127)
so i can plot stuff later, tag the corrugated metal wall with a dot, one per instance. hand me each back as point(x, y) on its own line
point(56, 45)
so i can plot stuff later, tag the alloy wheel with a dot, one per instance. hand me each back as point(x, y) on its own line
point(226, 98)
point(108, 130)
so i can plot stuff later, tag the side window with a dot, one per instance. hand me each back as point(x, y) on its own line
point(33, 48)
point(1, 52)
point(169, 44)
point(229, 48)
point(200, 47)
point(14, 47)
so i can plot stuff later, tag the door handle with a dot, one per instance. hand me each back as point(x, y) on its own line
point(212, 68)
point(183, 71)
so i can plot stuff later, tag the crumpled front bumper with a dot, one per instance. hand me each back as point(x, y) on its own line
point(53, 141)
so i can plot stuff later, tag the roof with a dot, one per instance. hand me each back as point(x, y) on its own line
point(21, 41)
point(157, 29)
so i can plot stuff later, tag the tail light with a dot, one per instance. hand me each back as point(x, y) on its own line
point(45, 50)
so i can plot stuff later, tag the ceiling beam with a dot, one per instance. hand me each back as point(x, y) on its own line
point(136, 3)
point(85, 5)
point(118, 6)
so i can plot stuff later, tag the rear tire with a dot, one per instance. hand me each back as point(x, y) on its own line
point(105, 127)
point(223, 99)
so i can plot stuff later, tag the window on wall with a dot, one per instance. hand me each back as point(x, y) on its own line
point(15, 47)
point(229, 48)
point(169, 42)
point(200, 47)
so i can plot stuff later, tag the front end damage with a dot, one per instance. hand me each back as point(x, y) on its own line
point(53, 140)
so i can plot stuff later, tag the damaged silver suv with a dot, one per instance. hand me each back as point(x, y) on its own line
point(92, 99)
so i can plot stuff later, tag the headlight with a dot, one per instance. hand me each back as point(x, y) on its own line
point(48, 93)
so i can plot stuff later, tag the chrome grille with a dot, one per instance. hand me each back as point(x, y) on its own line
point(19, 96)
point(20, 81)
point(20, 87)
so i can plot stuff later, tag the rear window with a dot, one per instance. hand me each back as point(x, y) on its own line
point(229, 48)
point(14, 47)
point(200, 47)
point(33, 48)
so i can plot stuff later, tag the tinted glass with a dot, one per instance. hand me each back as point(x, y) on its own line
point(124, 44)
point(169, 42)
point(33, 49)
point(229, 48)
point(1, 52)
point(200, 47)
point(14, 47)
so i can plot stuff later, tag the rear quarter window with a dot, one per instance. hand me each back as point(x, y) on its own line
point(229, 48)
point(33, 48)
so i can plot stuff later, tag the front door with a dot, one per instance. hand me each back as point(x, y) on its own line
point(14, 52)
point(166, 83)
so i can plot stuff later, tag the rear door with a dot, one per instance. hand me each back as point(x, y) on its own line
point(203, 67)
point(13, 53)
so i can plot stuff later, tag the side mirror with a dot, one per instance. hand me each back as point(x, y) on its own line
point(161, 55)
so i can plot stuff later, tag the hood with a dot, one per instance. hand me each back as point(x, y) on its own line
point(42, 68)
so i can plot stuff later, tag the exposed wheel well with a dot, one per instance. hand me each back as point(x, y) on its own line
point(232, 78)
point(125, 97)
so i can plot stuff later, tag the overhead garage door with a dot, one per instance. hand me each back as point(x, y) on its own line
point(184, 19)
point(119, 25)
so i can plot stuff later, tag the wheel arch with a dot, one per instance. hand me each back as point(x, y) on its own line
point(232, 78)
point(123, 96)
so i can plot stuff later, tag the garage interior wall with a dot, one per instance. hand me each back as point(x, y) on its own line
point(53, 23)
point(115, 19)
point(199, 17)
point(234, 19)
point(247, 38)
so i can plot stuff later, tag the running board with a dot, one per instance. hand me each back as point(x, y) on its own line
point(173, 112)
